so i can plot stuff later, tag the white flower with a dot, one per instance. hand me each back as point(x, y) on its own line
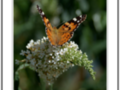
point(32, 61)
point(68, 62)
point(29, 56)
point(72, 64)
point(17, 62)
point(34, 53)
point(30, 44)
point(51, 61)
point(32, 41)
point(49, 50)
point(39, 62)
point(22, 53)
point(28, 52)
point(50, 54)
point(41, 55)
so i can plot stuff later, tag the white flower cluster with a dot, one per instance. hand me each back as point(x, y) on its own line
point(51, 61)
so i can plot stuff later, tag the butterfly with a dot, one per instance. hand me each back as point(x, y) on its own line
point(61, 35)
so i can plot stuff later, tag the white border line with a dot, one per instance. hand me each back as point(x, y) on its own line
point(119, 44)
point(0, 46)
point(118, 3)
point(7, 45)
point(112, 45)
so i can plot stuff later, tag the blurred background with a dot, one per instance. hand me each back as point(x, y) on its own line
point(90, 37)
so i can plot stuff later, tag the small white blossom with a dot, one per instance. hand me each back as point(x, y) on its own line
point(41, 55)
point(22, 53)
point(50, 54)
point(17, 62)
point(29, 56)
point(28, 52)
point(49, 61)
point(30, 44)
point(68, 62)
point(32, 61)
point(72, 64)
point(32, 41)
point(39, 62)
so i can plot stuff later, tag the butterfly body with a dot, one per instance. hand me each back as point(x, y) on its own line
point(59, 36)
point(55, 36)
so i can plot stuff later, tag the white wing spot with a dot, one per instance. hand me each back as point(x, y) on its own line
point(74, 19)
point(80, 16)
point(42, 13)
point(78, 21)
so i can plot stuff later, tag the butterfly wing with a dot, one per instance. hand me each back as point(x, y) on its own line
point(49, 28)
point(45, 20)
point(67, 29)
point(64, 33)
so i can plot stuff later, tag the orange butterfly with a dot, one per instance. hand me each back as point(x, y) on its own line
point(64, 33)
